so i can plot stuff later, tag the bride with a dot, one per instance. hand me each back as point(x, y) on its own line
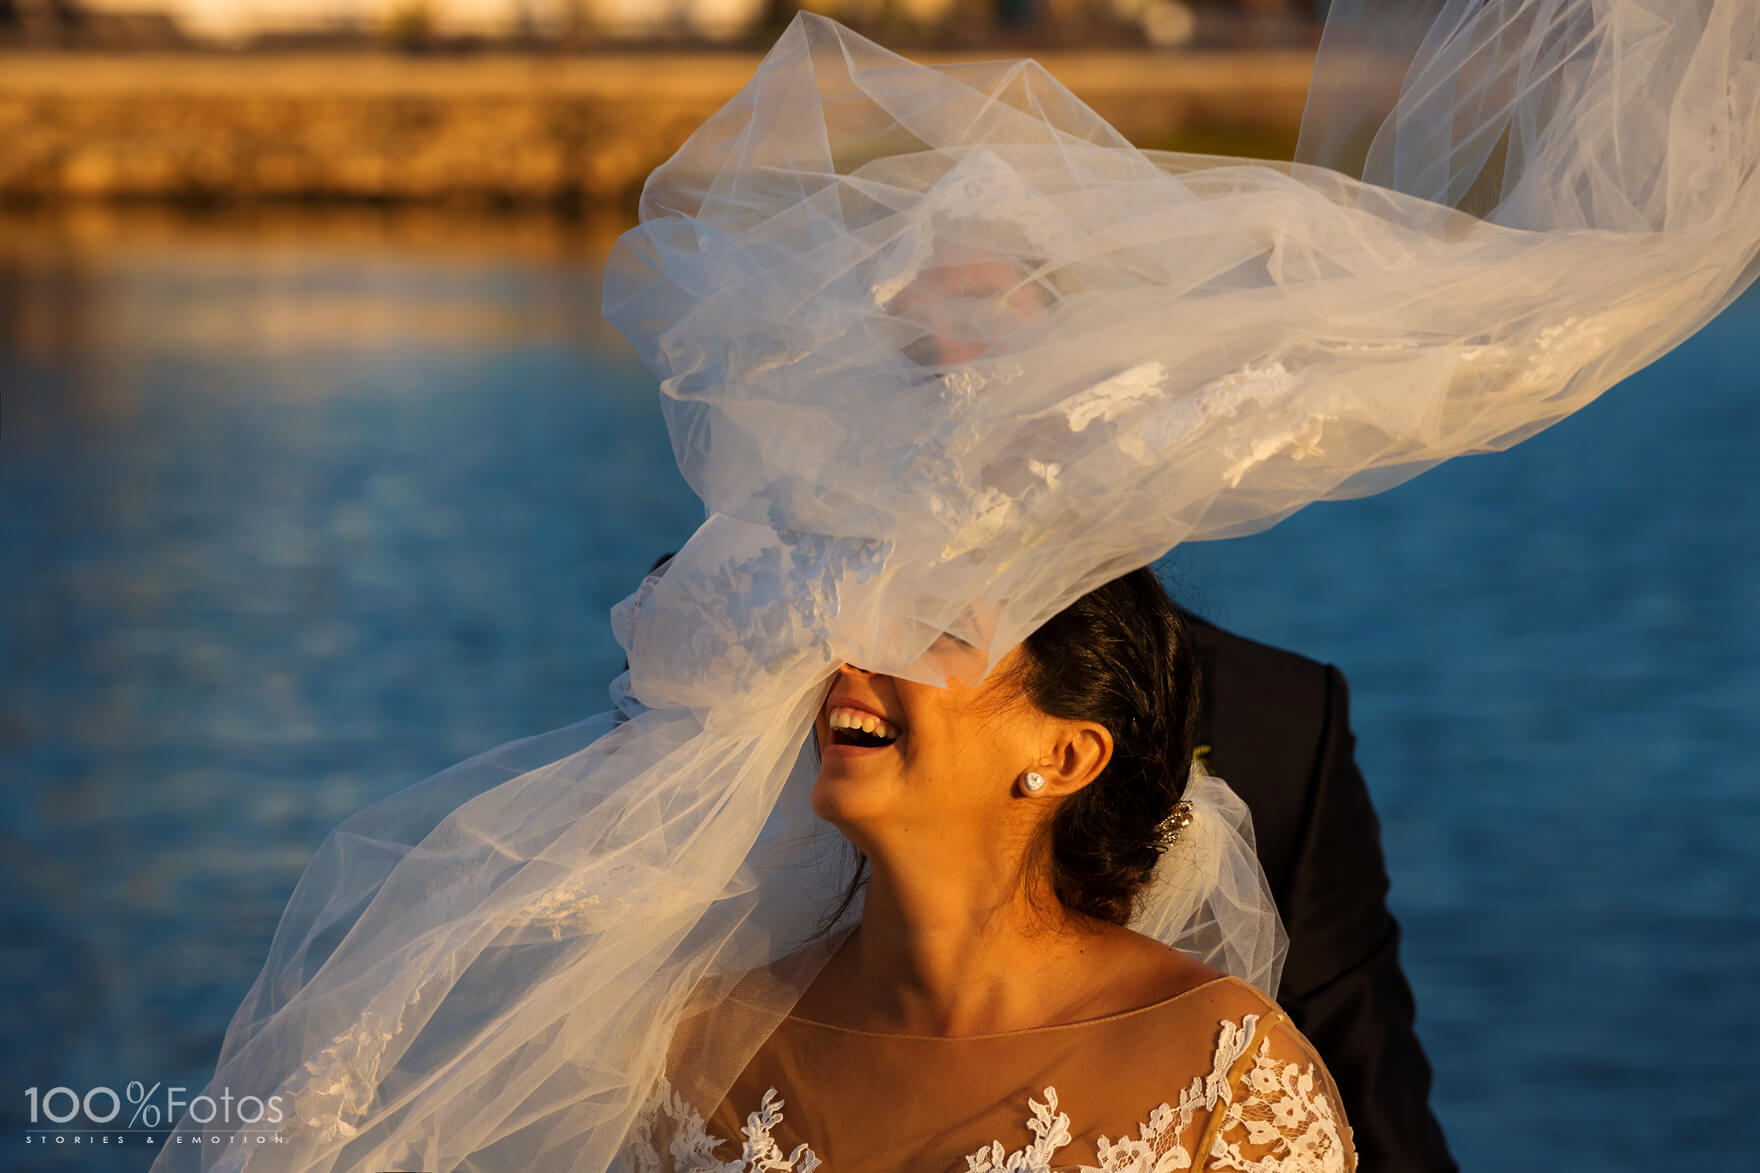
point(949, 362)
point(1008, 832)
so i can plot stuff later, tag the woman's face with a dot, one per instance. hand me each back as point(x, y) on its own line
point(966, 301)
point(936, 762)
point(898, 757)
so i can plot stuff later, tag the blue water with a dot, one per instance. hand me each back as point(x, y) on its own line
point(291, 518)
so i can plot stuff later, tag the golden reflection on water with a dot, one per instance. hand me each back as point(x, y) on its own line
point(86, 285)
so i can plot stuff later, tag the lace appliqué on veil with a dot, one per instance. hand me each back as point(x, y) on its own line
point(1283, 1124)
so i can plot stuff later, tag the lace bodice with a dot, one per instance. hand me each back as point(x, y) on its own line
point(1262, 1103)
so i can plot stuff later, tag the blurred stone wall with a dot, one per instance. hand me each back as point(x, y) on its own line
point(496, 129)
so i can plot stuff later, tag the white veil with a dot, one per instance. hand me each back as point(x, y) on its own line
point(484, 971)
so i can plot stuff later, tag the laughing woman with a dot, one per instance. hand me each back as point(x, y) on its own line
point(992, 1010)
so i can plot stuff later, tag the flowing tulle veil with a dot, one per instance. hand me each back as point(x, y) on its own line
point(1499, 209)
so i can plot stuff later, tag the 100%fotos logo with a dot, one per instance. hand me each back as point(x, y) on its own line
point(63, 1109)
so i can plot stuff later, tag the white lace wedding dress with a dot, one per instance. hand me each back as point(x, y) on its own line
point(1214, 1078)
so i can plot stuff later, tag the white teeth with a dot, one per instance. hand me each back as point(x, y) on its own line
point(845, 718)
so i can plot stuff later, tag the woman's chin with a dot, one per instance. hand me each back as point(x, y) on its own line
point(848, 798)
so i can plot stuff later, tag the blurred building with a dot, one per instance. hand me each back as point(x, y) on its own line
point(233, 20)
point(904, 23)
point(245, 20)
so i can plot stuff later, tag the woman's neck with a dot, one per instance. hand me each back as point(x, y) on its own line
point(955, 946)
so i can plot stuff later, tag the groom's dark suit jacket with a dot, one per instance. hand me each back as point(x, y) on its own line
point(1278, 730)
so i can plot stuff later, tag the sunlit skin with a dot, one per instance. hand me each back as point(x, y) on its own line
point(959, 936)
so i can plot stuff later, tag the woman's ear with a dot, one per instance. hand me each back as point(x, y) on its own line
point(1079, 751)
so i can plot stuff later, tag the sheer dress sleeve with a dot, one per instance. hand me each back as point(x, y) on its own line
point(1279, 1111)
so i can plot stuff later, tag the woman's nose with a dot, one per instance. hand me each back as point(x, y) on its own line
point(854, 668)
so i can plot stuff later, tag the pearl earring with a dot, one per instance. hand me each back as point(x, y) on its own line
point(1033, 782)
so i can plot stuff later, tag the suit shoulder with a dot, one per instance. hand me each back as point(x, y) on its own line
point(1262, 663)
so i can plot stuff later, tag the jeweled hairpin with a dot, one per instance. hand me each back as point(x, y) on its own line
point(1167, 831)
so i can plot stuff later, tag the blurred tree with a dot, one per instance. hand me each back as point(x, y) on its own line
point(409, 24)
point(46, 17)
point(574, 20)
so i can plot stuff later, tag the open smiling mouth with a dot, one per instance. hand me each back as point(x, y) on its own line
point(861, 738)
point(854, 727)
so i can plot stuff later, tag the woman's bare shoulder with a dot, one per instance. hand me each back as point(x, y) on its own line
point(1141, 971)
